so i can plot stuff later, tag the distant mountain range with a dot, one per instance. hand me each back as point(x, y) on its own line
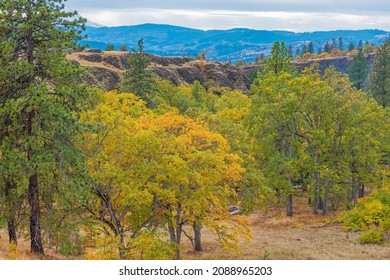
point(220, 45)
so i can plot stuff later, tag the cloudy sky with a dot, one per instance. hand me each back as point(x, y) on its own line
point(295, 15)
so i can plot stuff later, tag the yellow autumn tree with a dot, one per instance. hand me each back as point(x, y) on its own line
point(158, 173)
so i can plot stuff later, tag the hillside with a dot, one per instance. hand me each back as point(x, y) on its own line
point(220, 45)
point(105, 69)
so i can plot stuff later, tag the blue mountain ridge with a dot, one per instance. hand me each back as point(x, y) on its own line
point(220, 45)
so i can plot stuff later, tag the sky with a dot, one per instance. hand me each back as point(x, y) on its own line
point(295, 15)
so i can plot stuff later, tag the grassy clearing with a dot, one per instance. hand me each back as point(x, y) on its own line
point(302, 237)
point(275, 236)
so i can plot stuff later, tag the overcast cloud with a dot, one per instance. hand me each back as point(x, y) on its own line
point(297, 15)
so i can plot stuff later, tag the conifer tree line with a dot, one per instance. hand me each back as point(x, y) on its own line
point(335, 46)
point(130, 173)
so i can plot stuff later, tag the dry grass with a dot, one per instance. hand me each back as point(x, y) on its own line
point(23, 251)
point(85, 63)
point(302, 237)
point(275, 236)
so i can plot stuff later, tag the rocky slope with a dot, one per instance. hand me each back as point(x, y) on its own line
point(340, 63)
point(104, 69)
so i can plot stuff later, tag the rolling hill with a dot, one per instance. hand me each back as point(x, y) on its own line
point(219, 45)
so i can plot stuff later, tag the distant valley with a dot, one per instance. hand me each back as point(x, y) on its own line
point(233, 45)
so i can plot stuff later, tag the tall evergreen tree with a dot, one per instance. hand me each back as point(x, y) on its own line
point(304, 49)
point(109, 47)
point(358, 71)
point(341, 44)
point(290, 51)
point(379, 80)
point(280, 60)
point(298, 52)
point(39, 103)
point(360, 44)
point(351, 46)
point(327, 47)
point(333, 44)
point(138, 79)
point(310, 47)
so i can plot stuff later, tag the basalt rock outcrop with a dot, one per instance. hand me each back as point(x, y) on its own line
point(105, 69)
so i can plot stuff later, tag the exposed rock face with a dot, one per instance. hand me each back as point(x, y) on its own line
point(340, 63)
point(105, 69)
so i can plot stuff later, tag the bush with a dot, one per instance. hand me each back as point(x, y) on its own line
point(371, 236)
point(372, 211)
point(13, 252)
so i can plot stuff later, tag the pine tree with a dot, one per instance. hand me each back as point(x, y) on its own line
point(327, 47)
point(304, 49)
point(358, 71)
point(333, 44)
point(298, 52)
point(123, 48)
point(310, 47)
point(341, 44)
point(379, 80)
point(360, 44)
point(280, 60)
point(290, 51)
point(39, 103)
point(138, 79)
point(351, 46)
point(109, 47)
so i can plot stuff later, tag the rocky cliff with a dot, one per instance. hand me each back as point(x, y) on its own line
point(340, 63)
point(104, 69)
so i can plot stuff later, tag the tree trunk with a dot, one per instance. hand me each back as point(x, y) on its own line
point(172, 234)
point(325, 203)
point(175, 233)
point(121, 248)
point(33, 199)
point(33, 187)
point(35, 227)
point(320, 203)
point(355, 192)
point(11, 216)
point(115, 221)
point(175, 237)
point(198, 237)
point(12, 231)
point(178, 232)
point(316, 194)
point(289, 201)
point(354, 187)
point(361, 191)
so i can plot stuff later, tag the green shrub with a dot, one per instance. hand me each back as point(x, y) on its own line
point(374, 211)
point(374, 235)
